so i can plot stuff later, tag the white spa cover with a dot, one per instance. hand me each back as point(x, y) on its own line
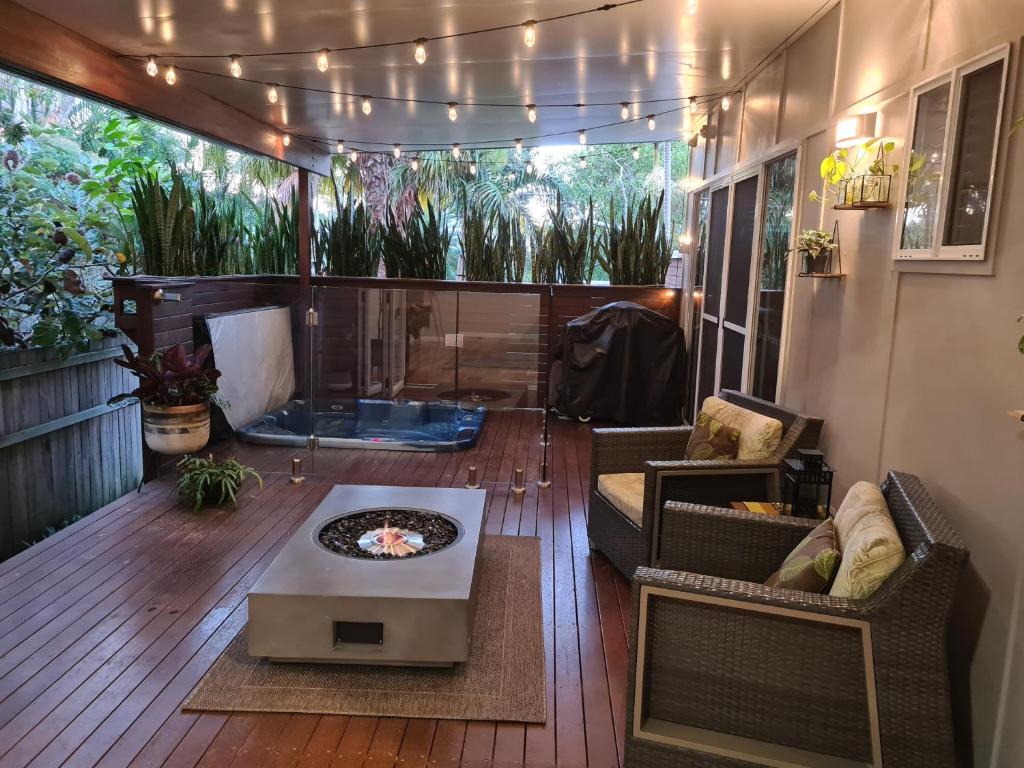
point(253, 351)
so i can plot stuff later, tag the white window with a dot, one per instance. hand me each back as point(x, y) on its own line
point(954, 131)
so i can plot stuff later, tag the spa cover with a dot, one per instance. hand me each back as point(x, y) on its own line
point(253, 351)
point(621, 362)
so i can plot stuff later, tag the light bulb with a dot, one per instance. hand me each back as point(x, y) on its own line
point(235, 67)
point(691, 7)
point(286, 140)
point(171, 76)
point(151, 67)
point(693, 139)
point(530, 33)
point(420, 52)
point(367, 105)
point(353, 155)
point(726, 103)
point(531, 112)
point(650, 123)
point(685, 239)
point(583, 136)
point(529, 166)
point(472, 168)
point(583, 162)
point(397, 150)
point(415, 163)
point(624, 112)
point(453, 112)
point(456, 151)
point(323, 60)
point(636, 153)
point(341, 147)
point(693, 101)
point(272, 93)
point(519, 147)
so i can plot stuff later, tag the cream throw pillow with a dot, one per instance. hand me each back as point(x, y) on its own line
point(759, 435)
point(869, 541)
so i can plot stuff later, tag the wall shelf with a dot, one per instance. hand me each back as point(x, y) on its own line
point(822, 275)
point(860, 206)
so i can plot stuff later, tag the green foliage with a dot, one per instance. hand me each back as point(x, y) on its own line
point(493, 246)
point(417, 249)
point(166, 225)
point(573, 247)
point(868, 157)
point(635, 249)
point(51, 530)
point(208, 481)
point(275, 245)
point(814, 241)
point(348, 244)
point(171, 377)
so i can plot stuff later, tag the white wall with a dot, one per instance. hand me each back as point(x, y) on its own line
point(915, 371)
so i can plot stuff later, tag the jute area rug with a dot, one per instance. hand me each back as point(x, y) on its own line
point(502, 680)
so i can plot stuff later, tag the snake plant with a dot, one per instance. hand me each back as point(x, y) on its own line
point(347, 245)
point(635, 249)
point(166, 224)
point(418, 248)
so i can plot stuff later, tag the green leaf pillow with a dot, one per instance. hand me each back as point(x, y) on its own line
point(812, 565)
point(711, 439)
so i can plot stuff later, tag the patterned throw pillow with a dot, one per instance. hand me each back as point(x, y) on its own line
point(812, 565)
point(711, 439)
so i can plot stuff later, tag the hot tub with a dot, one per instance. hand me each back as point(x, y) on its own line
point(400, 425)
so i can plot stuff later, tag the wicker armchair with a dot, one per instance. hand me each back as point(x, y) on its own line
point(658, 452)
point(727, 672)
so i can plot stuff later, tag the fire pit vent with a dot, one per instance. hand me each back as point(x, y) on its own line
point(389, 533)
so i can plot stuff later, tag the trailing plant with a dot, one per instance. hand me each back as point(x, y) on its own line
point(419, 249)
point(843, 163)
point(209, 481)
point(635, 249)
point(814, 241)
point(171, 377)
point(348, 244)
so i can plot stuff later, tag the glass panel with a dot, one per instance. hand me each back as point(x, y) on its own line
point(925, 170)
point(708, 359)
point(972, 166)
point(499, 357)
point(702, 206)
point(771, 295)
point(428, 333)
point(732, 359)
point(741, 250)
point(716, 251)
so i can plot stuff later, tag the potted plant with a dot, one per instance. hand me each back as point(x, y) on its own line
point(815, 249)
point(175, 391)
point(208, 481)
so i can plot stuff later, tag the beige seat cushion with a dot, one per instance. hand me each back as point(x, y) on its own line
point(759, 435)
point(625, 491)
point(868, 540)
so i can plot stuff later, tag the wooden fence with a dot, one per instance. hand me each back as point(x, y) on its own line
point(63, 451)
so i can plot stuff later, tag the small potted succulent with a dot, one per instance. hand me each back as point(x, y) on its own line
point(815, 249)
point(175, 391)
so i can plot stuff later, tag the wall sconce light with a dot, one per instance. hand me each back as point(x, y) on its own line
point(855, 129)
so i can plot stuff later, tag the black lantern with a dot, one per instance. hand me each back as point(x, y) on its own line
point(807, 488)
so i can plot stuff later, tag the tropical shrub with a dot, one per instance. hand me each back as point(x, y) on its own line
point(171, 377)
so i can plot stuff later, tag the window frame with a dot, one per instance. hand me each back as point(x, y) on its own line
point(953, 78)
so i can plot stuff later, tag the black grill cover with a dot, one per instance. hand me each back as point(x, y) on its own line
point(621, 362)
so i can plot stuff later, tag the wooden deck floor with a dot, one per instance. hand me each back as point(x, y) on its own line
point(106, 626)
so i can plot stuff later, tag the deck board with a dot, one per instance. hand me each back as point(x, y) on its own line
point(106, 627)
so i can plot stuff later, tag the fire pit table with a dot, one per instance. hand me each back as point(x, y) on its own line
point(375, 575)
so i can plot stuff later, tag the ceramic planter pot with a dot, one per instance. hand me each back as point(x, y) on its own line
point(178, 429)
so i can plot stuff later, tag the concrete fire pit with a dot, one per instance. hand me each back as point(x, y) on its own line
point(376, 575)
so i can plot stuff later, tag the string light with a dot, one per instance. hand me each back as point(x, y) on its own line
point(530, 33)
point(456, 151)
point(151, 67)
point(583, 136)
point(323, 60)
point(726, 103)
point(685, 239)
point(272, 93)
point(341, 147)
point(529, 166)
point(420, 51)
point(472, 168)
point(453, 112)
point(624, 111)
point(583, 161)
point(171, 76)
point(286, 140)
point(397, 150)
point(367, 105)
point(636, 153)
point(235, 67)
point(531, 113)
point(519, 147)
point(415, 164)
point(691, 7)
point(693, 139)
point(650, 123)
point(353, 155)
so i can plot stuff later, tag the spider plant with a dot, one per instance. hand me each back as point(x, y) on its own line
point(209, 481)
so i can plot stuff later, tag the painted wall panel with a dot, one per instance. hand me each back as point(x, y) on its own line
point(810, 64)
point(961, 27)
point(729, 135)
point(761, 110)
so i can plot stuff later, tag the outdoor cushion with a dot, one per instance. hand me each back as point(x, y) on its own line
point(759, 435)
point(812, 564)
point(711, 439)
point(625, 492)
point(869, 541)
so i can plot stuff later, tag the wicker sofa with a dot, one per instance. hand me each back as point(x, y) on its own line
point(658, 452)
point(727, 672)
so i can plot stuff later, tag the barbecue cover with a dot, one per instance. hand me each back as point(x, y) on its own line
point(621, 362)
